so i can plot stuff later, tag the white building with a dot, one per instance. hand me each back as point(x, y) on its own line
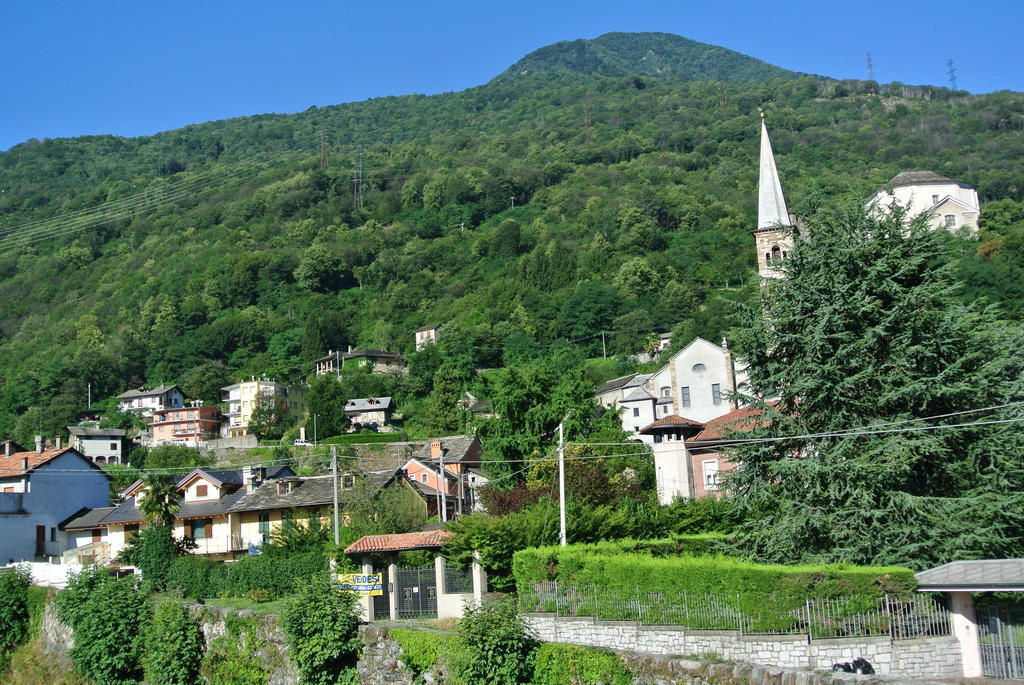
point(101, 445)
point(40, 490)
point(426, 336)
point(951, 205)
point(698, 382)
point(144, 401)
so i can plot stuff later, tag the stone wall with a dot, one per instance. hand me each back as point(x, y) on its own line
point(378, 662)
point(924, 658)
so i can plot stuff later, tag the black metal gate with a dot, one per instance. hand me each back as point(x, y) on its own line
point(416, 589)
point(1001, 632)
point(381, 609)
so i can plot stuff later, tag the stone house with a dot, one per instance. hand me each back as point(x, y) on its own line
point(102, 445)
point(369, 412)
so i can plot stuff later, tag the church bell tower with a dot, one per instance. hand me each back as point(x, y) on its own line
point(774, 233)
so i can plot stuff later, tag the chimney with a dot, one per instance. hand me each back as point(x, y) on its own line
point(39, 443)
point(24, 464)
point(59, 440)
point(7, 448)
point(435, 449)
point(349, 348)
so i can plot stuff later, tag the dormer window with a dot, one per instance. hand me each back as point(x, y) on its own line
point(284, 488)
point(348, 481)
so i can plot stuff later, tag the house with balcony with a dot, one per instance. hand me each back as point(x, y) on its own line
point(39, 490)
point(241, 399)
point(189, 426)
point(461, 477)
point(377, 361)
point(102, 445)
point(144, 401)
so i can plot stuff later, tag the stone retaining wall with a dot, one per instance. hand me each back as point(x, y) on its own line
point(924, 658)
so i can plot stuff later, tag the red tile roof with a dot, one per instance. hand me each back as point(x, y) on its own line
point(744, 419)
point(672, 421)
point(399, 542)
point(13, 465)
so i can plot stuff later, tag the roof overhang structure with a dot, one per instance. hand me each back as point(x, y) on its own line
point(982, 575)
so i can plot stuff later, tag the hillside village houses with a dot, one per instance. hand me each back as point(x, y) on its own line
point(370, 412)
point(144, 401)
point(189, 426)
point(451, 465)
point(950, 204)
point(101, 445)
point(241, 399)
point(39, 490)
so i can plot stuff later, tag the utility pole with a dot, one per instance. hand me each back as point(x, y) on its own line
point(561, 483)
point(604, 349)
point(444, 488)
point(871, 68)
point(334, 474)
point(357, 181)
point(90, 396)
point(314, 432)
point(323, 149)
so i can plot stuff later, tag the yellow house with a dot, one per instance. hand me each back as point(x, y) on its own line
point(241, 399)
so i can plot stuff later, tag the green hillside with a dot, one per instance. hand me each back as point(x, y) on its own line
point(645, 54)
point(159, 258)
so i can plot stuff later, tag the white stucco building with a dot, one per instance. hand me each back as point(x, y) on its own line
point(39, 490)
point(144, 401)
point(951, 205)
point(102, 445)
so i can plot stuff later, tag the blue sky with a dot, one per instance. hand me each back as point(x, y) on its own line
point(135, 68)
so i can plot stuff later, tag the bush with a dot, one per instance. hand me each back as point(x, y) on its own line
point(38, 598)
point(321, 625)
point(230, 657)
point(766, 594)
point(109, 633)
point(499, 645)
point(73, 601)
point(556, 664)
point(422, 649)
point(194, 576)
point(157, 550)
point(363, 438)
point(174, 647)
point(274, 575)
point(14, 615)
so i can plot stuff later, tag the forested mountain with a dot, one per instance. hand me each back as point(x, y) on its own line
point(526, 212)
point(645, 54)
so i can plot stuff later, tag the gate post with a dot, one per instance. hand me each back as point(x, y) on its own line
point(440, 590)
point(365, 600)
point(479, 579)
point(393, 584)
point(965, 629)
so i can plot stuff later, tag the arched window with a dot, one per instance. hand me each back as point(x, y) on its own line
point(776, 253)
point(698, 368)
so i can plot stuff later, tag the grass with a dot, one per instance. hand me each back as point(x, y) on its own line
point(260, 608)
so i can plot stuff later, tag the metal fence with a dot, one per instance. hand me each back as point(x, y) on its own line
point(457, 580)
point(1001, 633)
point(898, 618)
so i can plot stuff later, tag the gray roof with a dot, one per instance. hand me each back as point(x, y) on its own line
point(911, 178)
point(614, 384)
point(456, 448)
point(636, 394)
point(307, 491)
point(147, 392)
point(127, 512)
point(354, 354)
point(984, 575)
point(368, 404)
point(87, 432)
point(85, 519)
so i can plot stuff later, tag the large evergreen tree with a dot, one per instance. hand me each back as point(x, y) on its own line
point(866, 330)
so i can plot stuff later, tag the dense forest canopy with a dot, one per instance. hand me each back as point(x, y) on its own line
point(580, 197)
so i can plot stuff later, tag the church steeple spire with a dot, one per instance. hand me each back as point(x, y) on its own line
point(773, 234)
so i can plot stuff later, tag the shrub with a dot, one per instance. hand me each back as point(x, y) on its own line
point(14, 616)
point(364, 438)
point(422, 649)
point(174, 647)
point(274, 575)
point(109, 633)
point(500, 647)
point(194, 576)
point(555, 664)
point(38, 598)
point(73, 601)
point(230, 658)
point(321, 623)
point(157, 550)
point(766, 594)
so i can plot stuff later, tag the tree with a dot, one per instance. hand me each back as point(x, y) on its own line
point(866, 329)
point(175, 646)
point(160, 503)
point(321, 625)
point(326, 399)
point(374, 511)
point(205, 380)
point(444, 413)
point(269, 418)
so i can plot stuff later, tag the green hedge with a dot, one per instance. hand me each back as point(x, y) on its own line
point(674, 589)
point(421, 649)
point(276, 575)
point(556, 664)
point(364, 438)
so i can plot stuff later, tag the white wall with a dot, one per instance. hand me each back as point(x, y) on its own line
point(672, 470)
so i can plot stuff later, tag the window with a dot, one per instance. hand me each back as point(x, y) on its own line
point(950, 220)
point(698, 368)
point(53, 535)
point(201, 490)
point(666, 391)
point(716, 393)
point(657, 438)
point(202, 528)
point(113, 447)
point(685, 392)
point(710, 474)
point(776, 253)
point(348, 481)
point(423, 477)
point(636, 411)
point(264, 522)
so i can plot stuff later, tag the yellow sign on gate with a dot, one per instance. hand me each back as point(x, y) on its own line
point(371, 585)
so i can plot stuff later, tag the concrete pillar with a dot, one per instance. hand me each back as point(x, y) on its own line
point(365, 600)
point(392, 580)
point(965, 629)
point(439, 565)
point(479, 579)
